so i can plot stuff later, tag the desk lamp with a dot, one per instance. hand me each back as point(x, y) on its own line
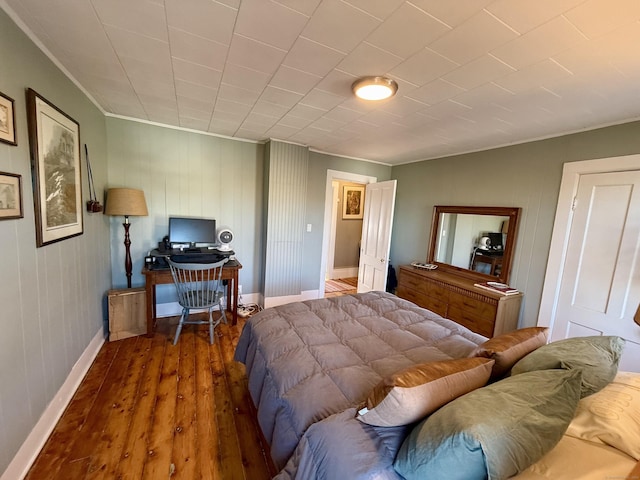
point(126, 202)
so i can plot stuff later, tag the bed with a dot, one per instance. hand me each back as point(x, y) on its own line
point(311, 366)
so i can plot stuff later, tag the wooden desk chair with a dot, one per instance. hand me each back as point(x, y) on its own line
point(199, 286)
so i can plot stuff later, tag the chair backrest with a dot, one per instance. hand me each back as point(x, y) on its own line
point(197, 284)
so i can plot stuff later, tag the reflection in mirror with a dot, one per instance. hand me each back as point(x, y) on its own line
point(476, 242)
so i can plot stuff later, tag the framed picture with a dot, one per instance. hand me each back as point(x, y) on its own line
point(54, 140)
point(10, 196)
point(352, 202)
point(7, 120)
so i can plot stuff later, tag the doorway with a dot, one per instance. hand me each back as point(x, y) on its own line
point(334, 192)
point(591, 286)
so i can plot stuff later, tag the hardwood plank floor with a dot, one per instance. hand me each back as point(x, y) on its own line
point(149, 410)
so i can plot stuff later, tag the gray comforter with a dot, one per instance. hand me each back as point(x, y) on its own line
point(309, 360)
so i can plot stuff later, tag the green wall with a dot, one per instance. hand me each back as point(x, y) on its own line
point(526, 176)
point(319, 163)
point(186, 174)
point(51, 297)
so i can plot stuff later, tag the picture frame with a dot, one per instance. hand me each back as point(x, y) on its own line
point(54, 141)
point(353, 202)
point(7, 120)
point(10, 196)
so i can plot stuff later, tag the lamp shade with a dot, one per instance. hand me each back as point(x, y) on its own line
point(126, 202)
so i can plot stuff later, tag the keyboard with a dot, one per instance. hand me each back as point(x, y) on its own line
point(197, 257)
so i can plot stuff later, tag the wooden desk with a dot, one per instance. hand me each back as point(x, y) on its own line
point(163, 276)
point(494, 262)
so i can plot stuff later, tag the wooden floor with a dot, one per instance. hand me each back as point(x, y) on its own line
point(340, 286)
point(149, 410)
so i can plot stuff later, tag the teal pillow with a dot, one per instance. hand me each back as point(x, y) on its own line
point(493, 432)
point(596, 357)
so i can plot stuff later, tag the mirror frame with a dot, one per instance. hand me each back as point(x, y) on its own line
point(512, 212)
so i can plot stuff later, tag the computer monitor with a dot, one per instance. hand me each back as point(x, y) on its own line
point(192, 231)
point(496, 241)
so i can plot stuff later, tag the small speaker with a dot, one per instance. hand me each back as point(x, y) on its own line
point(225, 237)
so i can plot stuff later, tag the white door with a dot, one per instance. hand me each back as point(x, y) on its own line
point(379, 202)
point(599, 292)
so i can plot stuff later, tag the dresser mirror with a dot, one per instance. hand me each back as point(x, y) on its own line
point(475, 242)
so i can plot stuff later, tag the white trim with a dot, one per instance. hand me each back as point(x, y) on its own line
point(182, 129)
point(328, 208)
point(346, 272)
point(571, 173)
point(303, 296)
point(171, 309)
point(31, 447)
point(331, 252)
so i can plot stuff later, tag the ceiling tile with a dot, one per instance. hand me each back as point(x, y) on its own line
point(270, 23)
point(452, 13)
point(193, 123)
point(291, 121)
point(483, 95)
point(403, 106)
point(342, 114)
point(597, 17)
point(203, 18)
point(306, 112)
point(544, 73)
point(142, 17)
point(192, 103)
point(338, 25)
point(194, 73)
point(245, 78)
point(337, 82)
point(195, 91)
point(524, 15)
point(380, 9)
point(398, 34)
point(543, 42)
point(478, 72)
point(423, 67)
point(281, 132)
point(132, 45)
point(306, 7)
point(294, 80)
point(197, 50)
point(255, 55)
point(270, 109)
point(160, 69)
point(309, 56)
point(473, 38)
point(280, 96)
point(237, 94)
point(368, 60)
point(435, 92)
point(323, 100)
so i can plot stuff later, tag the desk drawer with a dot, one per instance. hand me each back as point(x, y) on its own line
point(434, 304)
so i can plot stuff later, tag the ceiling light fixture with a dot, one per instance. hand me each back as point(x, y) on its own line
point(374, 88)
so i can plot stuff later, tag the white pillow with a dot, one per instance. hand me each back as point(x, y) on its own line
point(612, 415)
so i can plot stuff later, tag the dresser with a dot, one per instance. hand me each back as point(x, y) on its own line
point(456, 298)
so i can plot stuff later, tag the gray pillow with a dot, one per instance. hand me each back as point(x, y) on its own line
point(496, 431)
point(596, 357)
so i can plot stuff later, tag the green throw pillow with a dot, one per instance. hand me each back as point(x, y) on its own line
point(596, 357)
point(493, 432)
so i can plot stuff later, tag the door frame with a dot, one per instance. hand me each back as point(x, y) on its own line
point(334, 175)
point(571, 173)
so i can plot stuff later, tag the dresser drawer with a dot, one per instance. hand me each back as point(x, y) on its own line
point(474, 314)
point(434, 304)
point(412, 281)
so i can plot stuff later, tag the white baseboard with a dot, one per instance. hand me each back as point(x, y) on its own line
point(347, 272)
point(171, 309)
point(31, 447)
point(305, 295)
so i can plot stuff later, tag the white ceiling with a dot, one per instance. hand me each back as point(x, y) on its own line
point(473, 74)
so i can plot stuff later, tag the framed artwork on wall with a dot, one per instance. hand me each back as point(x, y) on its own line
point(352, 202)
point(10, 196)
point(7, 120)
point(54, 141)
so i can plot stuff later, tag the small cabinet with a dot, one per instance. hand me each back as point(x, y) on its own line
point(455, 297)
